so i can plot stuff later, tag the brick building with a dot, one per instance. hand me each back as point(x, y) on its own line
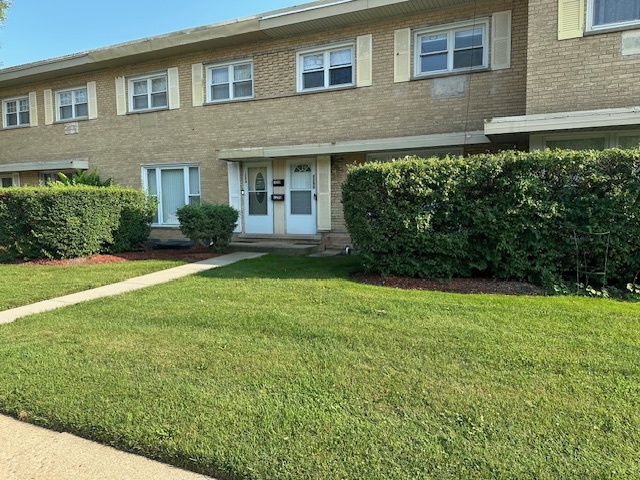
point(267, 112)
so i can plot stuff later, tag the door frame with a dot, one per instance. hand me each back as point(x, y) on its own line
point(309, 224)
point(258, 224)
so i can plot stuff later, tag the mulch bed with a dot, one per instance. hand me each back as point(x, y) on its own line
point(193, 254)
point(455, 285)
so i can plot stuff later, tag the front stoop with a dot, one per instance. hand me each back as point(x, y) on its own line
point(275, 248)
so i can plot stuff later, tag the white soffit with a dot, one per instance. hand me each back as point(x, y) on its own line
point(355, 146)
point(56, 165)
point(611, 117)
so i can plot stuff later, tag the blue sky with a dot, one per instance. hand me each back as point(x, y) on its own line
point(40, 29)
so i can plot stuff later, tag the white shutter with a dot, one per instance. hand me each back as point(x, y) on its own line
point(16, 179)
point(174, 88)
point(402, 55)
point(233, 174)
point(48, 107)
point(121, 96)
point(33, 109)
point(570, 19)
point(324, 193)
point(92, 97)
point(196, 85)
point(501, 40)
point(364, 70)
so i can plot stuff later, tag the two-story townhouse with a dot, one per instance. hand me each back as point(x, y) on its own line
point(267, 112)
point(582, 88)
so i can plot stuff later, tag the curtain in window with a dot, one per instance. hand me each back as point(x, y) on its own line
point(615, 11)
point(173, 194)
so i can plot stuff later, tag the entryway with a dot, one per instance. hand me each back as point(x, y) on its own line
point(258, 206)
point(300, 197)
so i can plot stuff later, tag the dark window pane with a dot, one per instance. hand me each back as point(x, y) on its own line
point(12, 119)
point(24, 118)
point(258, 203)
point(82, 110)
point(66, 112)
point(434, 43)
point(467, 58)
point(434, 63)
point(220, 92)
point(301, 202)
point(158, 100)
point(469, 38)
point(615, 11)
point(313, 80)
point(340, 76)
point(140, 103)
point(242, 89)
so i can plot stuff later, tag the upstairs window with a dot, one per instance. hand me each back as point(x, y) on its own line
point(148, 93)
point(16, 112)
point(451, 48)
point(612, 13)
point(230, 81)
point(325, 68)
point(72, 104)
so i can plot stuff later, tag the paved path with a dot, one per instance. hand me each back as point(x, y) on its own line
point(28, 452)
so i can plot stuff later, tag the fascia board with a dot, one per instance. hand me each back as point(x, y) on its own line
point(75, 164)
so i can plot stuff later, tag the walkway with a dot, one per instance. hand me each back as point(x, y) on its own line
point(28, 452)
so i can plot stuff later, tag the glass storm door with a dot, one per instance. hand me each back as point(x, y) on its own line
point(257, 199)
point(300, 199)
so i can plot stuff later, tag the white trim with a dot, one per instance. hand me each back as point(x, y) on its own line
point(607, 26)
point(326, 68)
point(355, 146)
point(611, 138)
point(450, 30)
point(74, 164)
point(422, 153)
point(610, 117)
point(73, 105)
point(187, 189)
point(230, 66)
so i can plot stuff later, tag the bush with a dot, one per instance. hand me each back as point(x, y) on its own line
point(72, 221)
point(207, 224)
point(543, 217)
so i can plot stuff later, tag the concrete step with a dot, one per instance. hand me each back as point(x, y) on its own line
point(276, 248)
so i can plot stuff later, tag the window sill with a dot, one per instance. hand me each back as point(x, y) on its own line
point(230, 100)
point(148, 110)
point(163, 225)
point(70, 120)
point(15, 127)
point(619, 28)
point(426, 76)
point(329, 89)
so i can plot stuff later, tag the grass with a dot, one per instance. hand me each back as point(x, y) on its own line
point(24, 284)
point(281, 368)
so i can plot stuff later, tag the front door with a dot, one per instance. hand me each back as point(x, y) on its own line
point(257, 199)
point(300, 200)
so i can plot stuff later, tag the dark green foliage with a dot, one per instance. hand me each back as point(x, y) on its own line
point(539, 216)
point(210, 225)
point(80, 177)
point(72, 221)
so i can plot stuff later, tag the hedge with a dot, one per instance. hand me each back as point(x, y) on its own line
point(72, 221)
point(545, 217)
point(208, 224)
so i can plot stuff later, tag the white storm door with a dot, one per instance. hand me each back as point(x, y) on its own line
point(300, 200)
point(258, 207)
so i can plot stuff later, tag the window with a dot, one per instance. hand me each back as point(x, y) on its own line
point(451, 48)
point(326, 68)
point(52, 176)
point(587, 141)
point(230, 81)
point(173, 186)
point(16, 112)
point(148, 93)
point(72, 104)
point(612, 13)
point(6, 182)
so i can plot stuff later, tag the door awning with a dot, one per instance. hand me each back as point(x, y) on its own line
point(54, 165)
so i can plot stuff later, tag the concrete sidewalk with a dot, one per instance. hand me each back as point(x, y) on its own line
point(132, 284)
point(28, 452)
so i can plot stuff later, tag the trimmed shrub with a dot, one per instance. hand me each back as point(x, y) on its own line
point(72, 221)
point(543, 217)
point(207, 224)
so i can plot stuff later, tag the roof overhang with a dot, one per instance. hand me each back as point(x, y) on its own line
point(55, 165)
point(354, 146)
point(298, 20)
point(611, 117)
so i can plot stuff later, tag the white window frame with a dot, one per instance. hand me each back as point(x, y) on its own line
point(611, 138)
point(326, 50)
point(450, 30)
point(149, 79)
point(230, 66)
point(607, 26)
point(4, 177)
point(159, 221)
point(52, 175)
point(17, 101)
point(74, 104)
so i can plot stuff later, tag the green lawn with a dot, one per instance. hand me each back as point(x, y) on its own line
point(25, 284)
point(281, 368)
